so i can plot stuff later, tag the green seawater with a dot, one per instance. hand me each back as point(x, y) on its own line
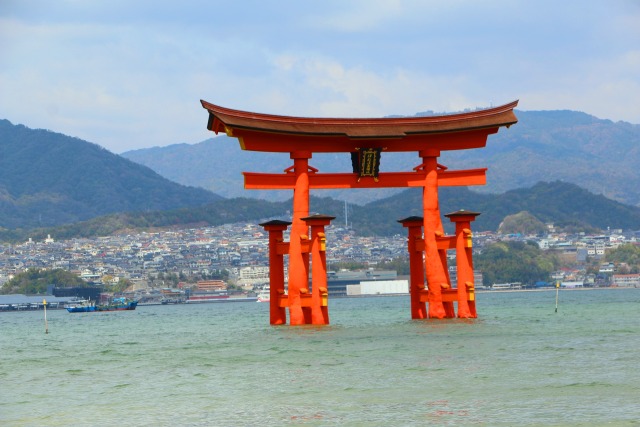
point(520, 363)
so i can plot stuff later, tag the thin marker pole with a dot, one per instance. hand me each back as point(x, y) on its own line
point(557, 289)
point(46, 324)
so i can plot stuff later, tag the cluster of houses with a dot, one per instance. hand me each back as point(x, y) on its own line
point(192, 255)
point(577, 251)
point(147, 259)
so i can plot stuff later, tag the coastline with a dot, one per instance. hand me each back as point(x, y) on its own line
point(254, 299)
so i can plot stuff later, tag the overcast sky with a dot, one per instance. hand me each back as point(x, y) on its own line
point(129, 74)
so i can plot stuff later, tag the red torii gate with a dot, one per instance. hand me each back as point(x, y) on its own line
point(364, 140)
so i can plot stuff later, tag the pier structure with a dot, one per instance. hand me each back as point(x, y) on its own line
point(365, 140)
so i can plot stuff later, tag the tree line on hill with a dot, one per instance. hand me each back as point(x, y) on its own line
point(567, 206)
point(515, 261)
point(525, 262)
point(35, 281)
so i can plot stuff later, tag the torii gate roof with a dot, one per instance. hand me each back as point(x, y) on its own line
point(274, 133)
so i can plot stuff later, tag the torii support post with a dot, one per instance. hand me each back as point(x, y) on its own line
point(299, 239)
point(416, 265)
point(319, 291)
point(436, 272)
point(464, 262)
point(277, 314)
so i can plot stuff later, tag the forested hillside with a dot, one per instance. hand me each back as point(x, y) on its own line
point(47, 179)
point(566, 205)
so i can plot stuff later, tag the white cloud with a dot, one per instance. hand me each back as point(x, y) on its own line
point(131, 75)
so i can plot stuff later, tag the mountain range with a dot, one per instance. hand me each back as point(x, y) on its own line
point(598, 155)
point(568, 206)
point(47, 178)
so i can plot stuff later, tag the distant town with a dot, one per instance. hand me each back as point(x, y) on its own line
point(164, 262)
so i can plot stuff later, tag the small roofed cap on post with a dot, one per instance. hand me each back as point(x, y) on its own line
point(276, 223)
point(318, 218)
point(410, 220)
point(461, 215)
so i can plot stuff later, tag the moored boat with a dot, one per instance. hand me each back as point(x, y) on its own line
point(207, 296)
point(81, 307)
point(117, 304)
point(265, 294)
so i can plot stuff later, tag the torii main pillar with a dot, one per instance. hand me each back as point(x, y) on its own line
point(436, 270)
point(363, 140)
point(299, 259)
